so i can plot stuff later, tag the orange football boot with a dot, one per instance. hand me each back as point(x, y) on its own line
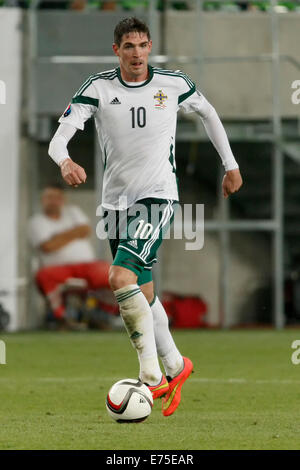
point(159, 390)
point(172, 399)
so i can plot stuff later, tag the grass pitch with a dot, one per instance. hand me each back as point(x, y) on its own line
point(245, 393)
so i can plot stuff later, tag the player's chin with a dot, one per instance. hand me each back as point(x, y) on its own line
point(138, 69)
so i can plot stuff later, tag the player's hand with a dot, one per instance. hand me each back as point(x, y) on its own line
point(232, 182)
point(72, 173)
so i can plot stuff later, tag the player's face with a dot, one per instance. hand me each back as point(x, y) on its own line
point(52, 201)
point(133, 55)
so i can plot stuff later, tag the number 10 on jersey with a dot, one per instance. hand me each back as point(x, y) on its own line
point(138, 116)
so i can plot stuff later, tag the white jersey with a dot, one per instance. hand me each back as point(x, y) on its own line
point(136, 126)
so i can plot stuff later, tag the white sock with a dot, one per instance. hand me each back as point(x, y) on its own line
point(137, 316)
point(166, 348)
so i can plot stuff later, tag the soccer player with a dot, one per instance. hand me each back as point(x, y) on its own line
point(135, 110)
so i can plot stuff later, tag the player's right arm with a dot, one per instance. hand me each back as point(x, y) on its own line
point(83, 106)
point(72, 173)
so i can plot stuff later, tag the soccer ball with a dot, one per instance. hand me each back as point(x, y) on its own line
point(129, 401)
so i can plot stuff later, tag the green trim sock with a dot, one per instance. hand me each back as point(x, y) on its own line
point(170, 356)
point(138, 320)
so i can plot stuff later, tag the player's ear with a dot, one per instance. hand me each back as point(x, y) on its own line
point(115, 49)
point(150, 45)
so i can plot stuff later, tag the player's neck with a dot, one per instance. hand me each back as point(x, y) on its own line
point(134, 78)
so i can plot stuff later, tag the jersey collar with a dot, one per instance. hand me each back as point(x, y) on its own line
point(150, 70)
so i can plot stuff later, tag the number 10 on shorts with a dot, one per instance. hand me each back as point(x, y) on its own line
point(143, 230)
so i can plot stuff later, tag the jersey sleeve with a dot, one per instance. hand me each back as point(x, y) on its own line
point(83, 106)
point(190, 99)
point(195, 102)
point(186, 89)
point(214, 128)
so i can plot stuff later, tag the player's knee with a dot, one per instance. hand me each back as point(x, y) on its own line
point(120, 277)
point(148, 291)
point(149, 297)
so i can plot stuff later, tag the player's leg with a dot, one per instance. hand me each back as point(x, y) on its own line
point(166, 348)
point(137, 316)
point(178, 368)
point(134, 308)
point(152, 226)
point(173, 358)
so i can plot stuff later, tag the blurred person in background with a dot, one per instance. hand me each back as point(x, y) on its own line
point(60, 234)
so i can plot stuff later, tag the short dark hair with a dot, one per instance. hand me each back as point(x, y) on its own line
point(129, 25)
point(54, 185)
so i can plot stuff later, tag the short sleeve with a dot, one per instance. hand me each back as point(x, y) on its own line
point(186, 88)
point(38, 231)
point(83, 106)
point(196, 102)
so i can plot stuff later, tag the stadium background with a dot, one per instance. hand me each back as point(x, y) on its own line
point(244, 57)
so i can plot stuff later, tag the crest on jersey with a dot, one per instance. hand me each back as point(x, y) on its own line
point(67, 111)
point(161, 98)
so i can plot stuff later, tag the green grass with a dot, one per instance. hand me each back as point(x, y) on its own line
point(245, 393)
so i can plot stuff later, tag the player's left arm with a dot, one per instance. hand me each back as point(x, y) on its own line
point(232, 180)
point(196, 102)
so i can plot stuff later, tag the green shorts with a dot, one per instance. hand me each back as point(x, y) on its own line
point(135, 234)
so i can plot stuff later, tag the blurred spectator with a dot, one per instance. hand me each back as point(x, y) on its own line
point(60, 235)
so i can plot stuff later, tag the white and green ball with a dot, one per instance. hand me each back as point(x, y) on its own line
point(129, 401)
